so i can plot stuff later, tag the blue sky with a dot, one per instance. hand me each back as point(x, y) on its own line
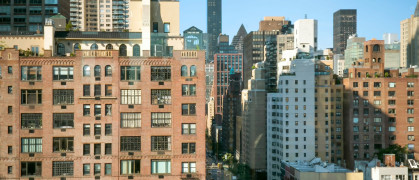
point(375, 17)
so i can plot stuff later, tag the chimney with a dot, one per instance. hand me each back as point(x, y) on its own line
point(390, 160)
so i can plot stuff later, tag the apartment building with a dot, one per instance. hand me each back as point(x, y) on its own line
point(100, 115)
point(344, 25)
point(409, 40)
point(379, 106)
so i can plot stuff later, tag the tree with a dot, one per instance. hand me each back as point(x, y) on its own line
point(69, 26)
point(396, 149)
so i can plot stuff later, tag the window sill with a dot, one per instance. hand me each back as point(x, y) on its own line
point(31, 80)
point(67, 80)
point(188, 114)
point(63, 152)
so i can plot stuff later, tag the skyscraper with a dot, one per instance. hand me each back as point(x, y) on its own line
point(344, 25)
point(213, 26)
point(409, 37)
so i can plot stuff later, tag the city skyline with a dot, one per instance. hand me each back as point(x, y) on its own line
point(232, 19)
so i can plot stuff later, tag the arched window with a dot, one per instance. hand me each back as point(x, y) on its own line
point(108, 70)
point(193, 71)
point(76, 47)
point(60, 49)
point(136, 50)
point(109, 47)
point(376, 48)
point(379, 60)
point(97, 71)
point(123, 50)
point(93, 47)
point(184, 71)
point(86, 70)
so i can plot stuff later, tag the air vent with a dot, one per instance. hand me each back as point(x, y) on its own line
point(160, 152)
point(31, 155)
point(161, 106)
point(130, 177)
point(131, 106)
point(63, 107)
point(189, 175)
point(31, 178)
point(63, 130)
point(161, 83)
point(97, 137)
point(97, 177)
point(97, 157)
point(131, 153)
point(31, 83)
point(97, 78)
point(97, 98)
point(161, 177)
point(31, 107)
point(130, 83)
point(63, 83)
point(97, 118)
point(31, 131)
point(63, 154)
point(188, 79)
point(62, 178)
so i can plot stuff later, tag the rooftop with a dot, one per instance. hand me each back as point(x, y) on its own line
point(316, 165)
point(97, 35)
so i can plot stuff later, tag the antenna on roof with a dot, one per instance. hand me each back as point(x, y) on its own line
point(305, 16)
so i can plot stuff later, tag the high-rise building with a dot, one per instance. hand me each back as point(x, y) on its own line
point(239, 38)
point(209, 80)
point(223, 45)
point(28, 17)
point(214, 26)
point(305, 35)
point(409, 37)
point(379, 106)
point(338, 64)
point(273, 23)
point(354, 50)
point(344, 25)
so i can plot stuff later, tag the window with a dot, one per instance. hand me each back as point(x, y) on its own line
point(188, 148)
point(161, 73)
point(391, 102)
point(391, 93)
point(31, 121)
point(130, 143)
point(94, 46)
point(31, 168)
point(410, 111)
point(188, 109)
point(160, 167)
point(108, 71)
point(184, 71)
point(97, 90)
point(130, 73)
point(377, 93)
point(377, 84)
point(86, 70)
point(410, 137)
point(410, 120)
point(63, 144)
point(86, 129)
point(31, 73)
point(9, 89)
point(97, 71)
point(86, 169)
point(32, 96)
point(31, 145)
point(410, 128)
point(10, 69)
point(108, 149)
point(86, 90)
point(62, 168)
point(63, 120)
point(86, 149)
point(188, 128)
point(155, 27)
point(392, 85)
point(188, 167)
point(410, 102)
point(166, 27)
point(130, 167)
point(60, 49)
point(161, 119)
point(391, 128)
point(130, 120)
point(108, 169)
point(161, 143)
point(108, 129)
point(123, 50)
point(188, 90)
point(355, 84)
point(9, 129)
point(193, 71)
point(410, 93)
point(9, 169)
point(377, 102)
point(410, 84)
point(97, 149)
point(376, 48)
point(136, 52)
point(98, 110)
point(63, 96)
point(63, 73)
point(161, 96)
point(400, 177)
point(132, 96)
point(365, 84)
point(109, 47)
point(86, 110)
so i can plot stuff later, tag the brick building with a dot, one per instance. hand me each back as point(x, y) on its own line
point(98, 114)
point(379, 106)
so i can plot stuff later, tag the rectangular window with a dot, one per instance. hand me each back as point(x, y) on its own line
point(97, 149)
point(108, 90)
point(130, 167)
point(86, 169)
point(98, 90)
point(98, 110)
point(377, 93)
point(62, 168)
point(130, 73)
point(31, 73)
point(108, 169)
point(86, 129)
point(155, 27)
point(161, 119)
point(410, 84)
point(63, 96)
point(377, 84)
point(410, 120)
point(188, 109)
point(410, 128)
point(188, 167)
point(108, 149)
point(188, 90)
point(391, 102)
point(31, 96)
point(10, 69)
point(86, 149)
point(365, 84)
point(86, 110)
point(63, 73)
point(188, 128)
point(410, 111)
point(410, 103)
point(161, 73)
point(98, 129)
point(108, 109)
point(31, 168)
point(161, 143)
point(160, 167)
point(355, 84)
point(132, 96)
point(166, 27)
point(9, 109)
point(392, 111)
point(63, 144)
point(188, 148)
point(97, 169)
point(10, 89)
point(108, 129)
point(392, 85)
point(31, 121)
point(130, 143)
point(130, 120)
point(391, 93)
point(161, 96)
point(86, 90)
point(410, 93)
point(63, 120)
point(31, 145)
